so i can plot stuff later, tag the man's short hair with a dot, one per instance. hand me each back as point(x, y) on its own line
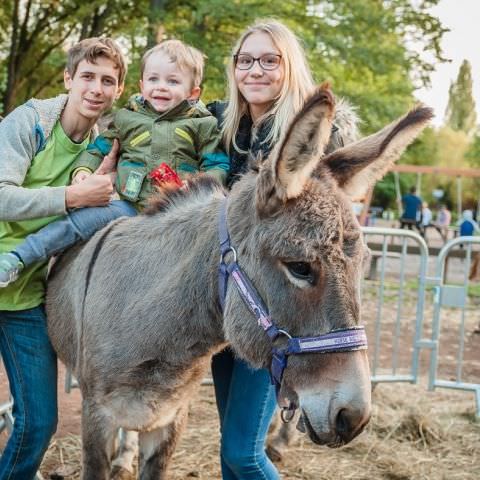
point(185, 56)
point(92, 48)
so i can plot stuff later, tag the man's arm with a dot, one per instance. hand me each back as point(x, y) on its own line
point(18, 145)
point(17, 150)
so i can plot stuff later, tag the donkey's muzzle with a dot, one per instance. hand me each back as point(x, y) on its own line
point(347, 425)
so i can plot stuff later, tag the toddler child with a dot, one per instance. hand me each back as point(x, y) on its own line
point(161, 132)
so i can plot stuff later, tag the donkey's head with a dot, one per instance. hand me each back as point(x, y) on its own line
point(300, 243)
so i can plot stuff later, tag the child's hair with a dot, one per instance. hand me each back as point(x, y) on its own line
point(297, 84)
point(185, 56)
point(92, 48)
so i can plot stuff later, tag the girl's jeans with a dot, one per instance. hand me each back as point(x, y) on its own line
point(78, 225)
point(246, 403)
point(31, 366)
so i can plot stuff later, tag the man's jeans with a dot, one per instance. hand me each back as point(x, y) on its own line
point(246, 403)
point(31, 366)
point(78, 225)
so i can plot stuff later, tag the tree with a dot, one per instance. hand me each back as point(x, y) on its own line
point(34, 34)
point(361, 46)
point(472, 155)
point(460, 114)
point(452, 147)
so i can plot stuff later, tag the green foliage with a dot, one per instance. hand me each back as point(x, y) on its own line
point(472, 155)
point(360, 46)
point(34, 35)
point(452, 147)
point(461, 114)
point(384, 193)
point(357, 48)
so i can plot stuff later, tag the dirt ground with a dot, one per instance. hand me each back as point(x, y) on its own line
point(413, 435)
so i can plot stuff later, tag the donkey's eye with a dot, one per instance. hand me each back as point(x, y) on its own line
point(301, 270)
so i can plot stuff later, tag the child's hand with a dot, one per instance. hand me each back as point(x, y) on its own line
point(109, 162)
point(80, 177)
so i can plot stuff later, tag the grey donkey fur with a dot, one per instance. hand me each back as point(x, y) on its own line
point(135, 311)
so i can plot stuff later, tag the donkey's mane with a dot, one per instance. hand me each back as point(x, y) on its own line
point(169, 196)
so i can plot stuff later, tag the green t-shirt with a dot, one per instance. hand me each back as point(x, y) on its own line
point(50, 168)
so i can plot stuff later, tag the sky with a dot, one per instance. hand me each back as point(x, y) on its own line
point(462, 17)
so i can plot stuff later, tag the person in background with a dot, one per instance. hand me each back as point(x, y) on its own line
point(467, 225)
point(426, 219)
point(444, 217)
point(412, 211)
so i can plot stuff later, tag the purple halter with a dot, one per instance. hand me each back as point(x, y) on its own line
point(341, 340)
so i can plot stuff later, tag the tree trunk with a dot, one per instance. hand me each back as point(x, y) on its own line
point(154, 29)
point(12, 63)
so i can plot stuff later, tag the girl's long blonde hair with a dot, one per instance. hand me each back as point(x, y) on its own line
point(297, 84)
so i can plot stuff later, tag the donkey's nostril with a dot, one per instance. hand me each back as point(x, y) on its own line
point(343, 425)
point(349, 423)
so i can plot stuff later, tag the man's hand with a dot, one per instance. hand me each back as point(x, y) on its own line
point(109, 162)
point(80, 177)
point(93, 191)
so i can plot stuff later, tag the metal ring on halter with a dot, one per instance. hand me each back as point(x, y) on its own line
point(287, 413)
point(284, 333)
point(229, 249)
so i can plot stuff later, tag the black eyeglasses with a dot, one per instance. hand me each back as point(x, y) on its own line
point(268, 61)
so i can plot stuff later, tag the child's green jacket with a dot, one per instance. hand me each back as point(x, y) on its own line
point(186, 138)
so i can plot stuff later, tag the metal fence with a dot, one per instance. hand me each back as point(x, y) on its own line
point(456, 314)
point(393, 293)
point(406, 307)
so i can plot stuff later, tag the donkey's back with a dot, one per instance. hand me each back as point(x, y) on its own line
point(127, 288)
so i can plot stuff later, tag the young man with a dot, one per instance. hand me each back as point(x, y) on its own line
point(39, 143)
point(164, 135)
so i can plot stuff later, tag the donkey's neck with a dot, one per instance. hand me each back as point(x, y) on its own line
point(189, 280)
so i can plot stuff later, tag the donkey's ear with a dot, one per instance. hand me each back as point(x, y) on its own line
point(359, 165)
point(297, 155)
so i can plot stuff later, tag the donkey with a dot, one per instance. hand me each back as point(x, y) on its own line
point(136, 314)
